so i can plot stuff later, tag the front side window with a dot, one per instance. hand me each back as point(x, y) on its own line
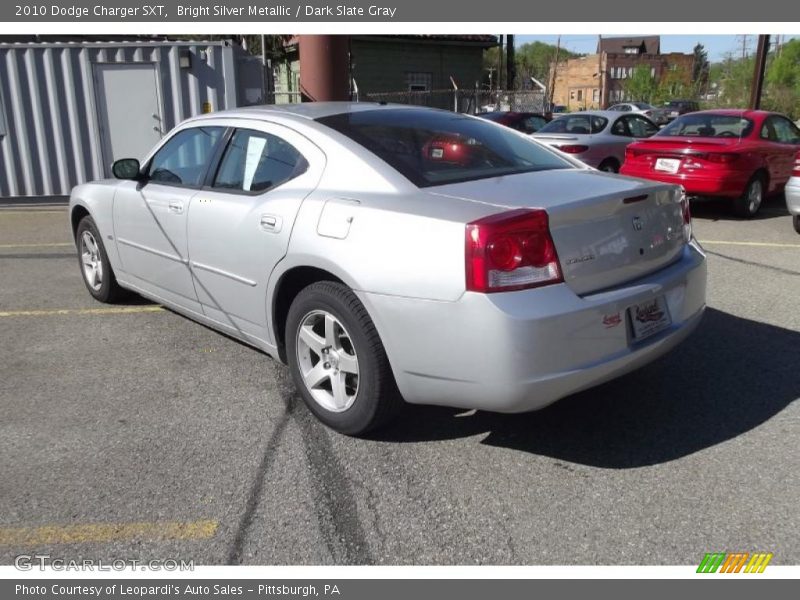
point(577, 124)
point(785, 131)
point(183, 160)
point(640, 127)
point(431, 147)
point(256, 162)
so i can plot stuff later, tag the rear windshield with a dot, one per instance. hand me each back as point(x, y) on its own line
point(492, 116)
point(642, 105)
point(432, 147)
point(708, 125)
point(576, 124)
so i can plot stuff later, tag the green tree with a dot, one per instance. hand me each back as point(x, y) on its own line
point(700, 69)
point(782, 92)
point(641, 85)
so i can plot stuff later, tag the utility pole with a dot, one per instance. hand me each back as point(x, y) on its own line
point(552, 89)
point(744, 47)
point(511, 67)
point(758, 72)
point(500, 64)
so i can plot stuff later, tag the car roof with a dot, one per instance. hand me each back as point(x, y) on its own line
point(305, 110)
point(735, 112)
point(608, 114)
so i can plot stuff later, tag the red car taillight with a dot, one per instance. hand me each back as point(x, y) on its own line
point(574, 148)
point(510, 251)
point(687, 217)
point(722, 158)
point(796, 170)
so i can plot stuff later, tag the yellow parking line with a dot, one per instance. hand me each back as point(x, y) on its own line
point(47, 245)
point(107, 532)
point(121, 310)
point(757, 244)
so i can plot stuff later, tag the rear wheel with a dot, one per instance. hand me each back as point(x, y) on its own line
point(747, 205)
point(796, 222)
point(95, 267)
point(609, 165)
point(337, 360)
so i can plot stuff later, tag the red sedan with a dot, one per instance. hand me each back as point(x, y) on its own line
point(743, 155)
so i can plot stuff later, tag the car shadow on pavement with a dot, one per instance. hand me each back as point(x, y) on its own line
point(730, 376)
point(716, 209)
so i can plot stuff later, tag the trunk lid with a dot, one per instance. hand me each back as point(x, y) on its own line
point(607, 229)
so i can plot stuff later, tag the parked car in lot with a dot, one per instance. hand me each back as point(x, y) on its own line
point(598, 138)
point(336, 238)
point(526, 122)
point(656, 115)
point(676, 108)
point(793, 194)
point(743, 155)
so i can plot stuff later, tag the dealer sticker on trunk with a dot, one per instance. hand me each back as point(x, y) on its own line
point(669, 165)
point(649, 318)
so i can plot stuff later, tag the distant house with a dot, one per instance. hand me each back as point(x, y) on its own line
point(397, 63)
point(598, 80)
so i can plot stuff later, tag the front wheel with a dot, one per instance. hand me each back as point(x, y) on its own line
point(95, 267)
point(337, 360)
point(747, 205)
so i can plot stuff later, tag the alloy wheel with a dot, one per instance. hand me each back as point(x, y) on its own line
point(328, 361)
point(92, 261)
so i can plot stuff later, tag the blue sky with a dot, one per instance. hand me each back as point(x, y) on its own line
point(717, 45)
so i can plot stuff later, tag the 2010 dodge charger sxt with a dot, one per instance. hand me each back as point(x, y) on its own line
point(389, 253)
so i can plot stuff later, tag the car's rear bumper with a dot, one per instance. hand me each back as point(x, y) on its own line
point(729, 185)
point(519, 351)
point(792, 192)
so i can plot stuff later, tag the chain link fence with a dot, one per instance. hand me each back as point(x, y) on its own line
point(466, 101)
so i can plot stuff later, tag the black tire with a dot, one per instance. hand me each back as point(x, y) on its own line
point(109, 290)
point(609, 165)
point(376, 399)
point(744, 206)
point(796, 223)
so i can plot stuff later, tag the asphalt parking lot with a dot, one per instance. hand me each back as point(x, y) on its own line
point(132, 432)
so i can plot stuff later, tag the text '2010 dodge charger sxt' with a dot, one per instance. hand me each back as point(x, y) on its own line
point(393, 253)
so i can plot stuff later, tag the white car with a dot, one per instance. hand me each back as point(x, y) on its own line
point(656, 115)
point(792, 192)
point(391, 253)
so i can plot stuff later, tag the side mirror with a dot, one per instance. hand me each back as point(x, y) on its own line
point(126, 168)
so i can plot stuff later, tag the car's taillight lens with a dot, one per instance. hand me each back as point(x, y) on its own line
point(720, 157)
point(510, 251)
point(796, 170)
point(574, 148)
point(687, 217)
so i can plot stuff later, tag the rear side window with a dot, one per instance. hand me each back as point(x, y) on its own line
point(183, 160)
point(255, 162)
point(783, 131)
point(576, 124)
point(432, 147)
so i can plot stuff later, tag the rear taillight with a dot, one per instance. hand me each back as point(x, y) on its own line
point(510, 251)
point(720, 157)
point(687, 217)
point(574, 148)
point(796, 170)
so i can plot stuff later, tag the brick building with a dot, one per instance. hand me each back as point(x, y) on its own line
point(598, 80)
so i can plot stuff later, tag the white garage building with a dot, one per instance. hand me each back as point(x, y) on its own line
point(68, 110)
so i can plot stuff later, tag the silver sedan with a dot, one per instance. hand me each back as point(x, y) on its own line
point(792, 192)
point(393, 253)
point(598, 138)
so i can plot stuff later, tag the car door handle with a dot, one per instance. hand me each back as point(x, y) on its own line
point(270, 223)
point(175, 206)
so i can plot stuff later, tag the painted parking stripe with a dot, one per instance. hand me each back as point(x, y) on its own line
point(107, 532)
point(48, 245)
point(121, 310)
point(756, 244)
